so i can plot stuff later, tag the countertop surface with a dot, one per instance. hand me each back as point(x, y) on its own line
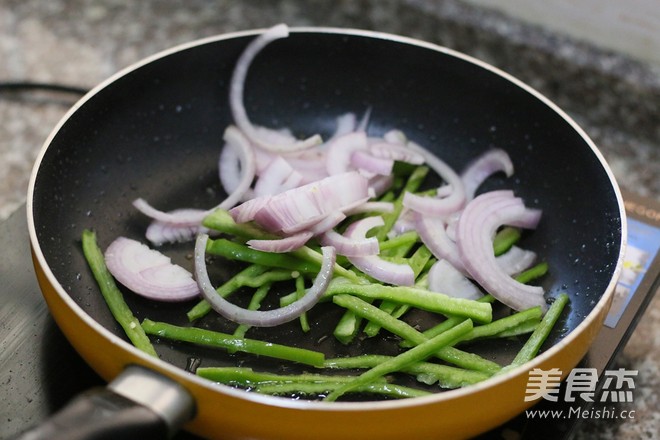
point(616, 100)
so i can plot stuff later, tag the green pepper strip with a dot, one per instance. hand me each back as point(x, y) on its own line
point(521, 329)
point(317, 389)
point(533, 344)
point(417, 262)
point(112, 295)
point(347, 327)
point(236, 251)
point(404, 241)
point(420, 298)
point(300, 292)
point(505, 239)
point(255, 303)
point(446, 376)
point(532, 273)
point(506, 324)
point(221, 340)
point(403, 360)
point(451, 321)
point(248, 377)
point(407, 332)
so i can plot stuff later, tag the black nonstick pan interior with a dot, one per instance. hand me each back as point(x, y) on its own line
point(156, 133)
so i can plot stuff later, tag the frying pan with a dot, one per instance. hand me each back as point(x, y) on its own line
point(154, 131)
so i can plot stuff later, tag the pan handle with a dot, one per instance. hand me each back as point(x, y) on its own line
point(138, 404)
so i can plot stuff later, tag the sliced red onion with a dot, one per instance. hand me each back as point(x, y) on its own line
point(281, 245)
point(246, 211)
point(364, 122)
point(341, 149)
point(480, 169)
point(387, 150)
point(380, 184)
point(346, 123)
point(364, 161)
point(451, 223)
point(301, 207)
point(374, 266)
point(178, 225)
point(384, 271)
point(263, 158)
point(310, 164)
point(229, 169)
point(261, 318)
point(235, 139)
point(528, 219)
point(319, 223)
point(395, 137)
point(431, 205)
point(350, 247)
point(444, 191)
point(278, 176)
point(445, 278)
point(433, 234)
point(159, 233)
point(516, 260)
point(476, 228)
point(236, 93)
point(405, 223)
point(148, 272)
point(274, 135)
point(327, 223)
point(179, 217)
point(237, 167)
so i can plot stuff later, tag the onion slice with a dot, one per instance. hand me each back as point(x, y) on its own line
point(298, 208)
point(516, 260)
point(395, 151)
point(179, 217)
point(277, 177)
point(445, 278)
point(474, 239)
point(262, 318)
point(340, 151)
point(374, 266)
point(179, 225)
point(281, 245)
point(481, 168)
point(237, 85)
point(159, 233)
point(371, 165)
point(235, 140)
point(441, 207)
point(432, 231)
point(149, 273)
point(350, 247)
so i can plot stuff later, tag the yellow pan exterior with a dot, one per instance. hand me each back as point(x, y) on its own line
point(225, 413)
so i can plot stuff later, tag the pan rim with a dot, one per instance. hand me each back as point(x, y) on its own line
point(282, 402)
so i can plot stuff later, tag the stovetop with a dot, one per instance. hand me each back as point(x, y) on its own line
point(40, 371)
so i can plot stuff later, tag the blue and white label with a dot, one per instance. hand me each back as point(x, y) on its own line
point(643, 246)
